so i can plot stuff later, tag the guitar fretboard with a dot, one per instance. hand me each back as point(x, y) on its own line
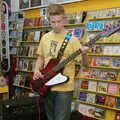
point(64, 62)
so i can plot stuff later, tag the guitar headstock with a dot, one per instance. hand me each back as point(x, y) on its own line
point(105, 33)
point(92, 39)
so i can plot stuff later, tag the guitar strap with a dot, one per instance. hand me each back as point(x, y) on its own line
point(64, 45)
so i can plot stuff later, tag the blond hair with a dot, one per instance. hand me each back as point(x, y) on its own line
point(55, 9)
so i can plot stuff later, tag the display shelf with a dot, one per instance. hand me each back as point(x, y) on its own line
point(15, 31)
point(4, 89)
point(36, 42)
point(105, 18)
point(97, 105)
point(105, 42)
point(20, 86)
point(37, 27)
point(27, 57)
point(101, 67)
point(48, 27)
point(93, 30)
point(90, 116)
point(100, 80)
point(82, 80)
point(95, 92)
point(75, 25)
point(94, 117)
point(103, 55)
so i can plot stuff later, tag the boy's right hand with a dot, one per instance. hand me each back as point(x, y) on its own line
point(37, 75)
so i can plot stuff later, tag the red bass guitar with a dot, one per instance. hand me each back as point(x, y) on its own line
point(52, 72)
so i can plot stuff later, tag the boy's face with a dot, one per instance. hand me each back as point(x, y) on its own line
point(57, 23)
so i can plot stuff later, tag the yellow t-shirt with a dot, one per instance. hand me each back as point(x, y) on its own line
point(49, 47)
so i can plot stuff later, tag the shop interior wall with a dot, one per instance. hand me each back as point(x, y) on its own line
point(80, 6)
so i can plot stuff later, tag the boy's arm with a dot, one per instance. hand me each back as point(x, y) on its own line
point(38, 66)
point(85, 60)
point(85, 57)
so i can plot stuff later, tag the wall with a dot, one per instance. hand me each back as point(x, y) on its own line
point(92, 5)
point(80, 6)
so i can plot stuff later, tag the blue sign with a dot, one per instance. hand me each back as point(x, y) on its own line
point(95, 25)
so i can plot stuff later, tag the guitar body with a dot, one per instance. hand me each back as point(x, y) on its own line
point(52, 63)
point(39, 84)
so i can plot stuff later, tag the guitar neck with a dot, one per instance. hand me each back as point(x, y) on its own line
point(64, 62)
point(92, 41)
point(75, 54)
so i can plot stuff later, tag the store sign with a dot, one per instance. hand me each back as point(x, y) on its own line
point(95, 25)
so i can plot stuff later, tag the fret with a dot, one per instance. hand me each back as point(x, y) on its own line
point(64, 62)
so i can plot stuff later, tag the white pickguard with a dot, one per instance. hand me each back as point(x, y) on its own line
point(59, 78)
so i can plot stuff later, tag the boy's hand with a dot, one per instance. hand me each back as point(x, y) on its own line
point(37, 75)
point(84, 49)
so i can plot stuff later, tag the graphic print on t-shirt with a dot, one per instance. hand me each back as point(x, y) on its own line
point(53, 47)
